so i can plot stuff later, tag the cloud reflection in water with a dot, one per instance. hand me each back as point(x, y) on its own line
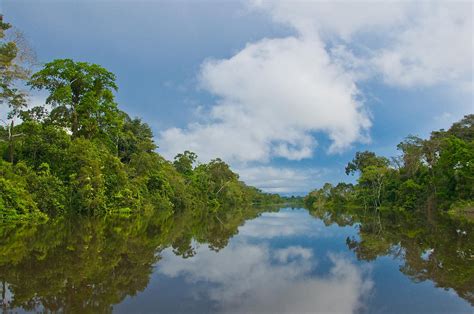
point(249, 277)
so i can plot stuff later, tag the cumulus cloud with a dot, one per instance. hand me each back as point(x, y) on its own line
point(273, 95)
point(436, 47)
point(407, 43)
point(250, 278)
point(276, 96)
point(342, 18)
point(280, 179)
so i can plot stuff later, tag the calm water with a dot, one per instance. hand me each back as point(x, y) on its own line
point(250, 261)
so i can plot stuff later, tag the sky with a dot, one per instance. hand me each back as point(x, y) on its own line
point(285, 92)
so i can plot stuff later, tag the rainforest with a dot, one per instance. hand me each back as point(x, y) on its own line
point(94, 219)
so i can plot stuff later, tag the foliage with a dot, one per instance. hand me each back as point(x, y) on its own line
point(434, 173)
point(87, 156)
point(82, 97)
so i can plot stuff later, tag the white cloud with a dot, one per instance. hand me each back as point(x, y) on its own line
point(292, 252)
point(273, 95)
point(276, 95)
point(284, 224)
point(249, 278)
point(342, 18)
point(280, 179)
point(408, 43)
point(435, 48)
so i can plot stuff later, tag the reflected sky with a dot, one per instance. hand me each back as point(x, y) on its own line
point(286, 262)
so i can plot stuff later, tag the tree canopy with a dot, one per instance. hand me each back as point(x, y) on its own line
point(88, 156)
point(435, 173)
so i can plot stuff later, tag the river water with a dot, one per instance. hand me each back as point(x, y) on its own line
point(278, 261)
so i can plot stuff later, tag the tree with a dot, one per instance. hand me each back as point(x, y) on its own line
point(412, 155)
point(134, 138)
point(12, 70)
point(454, 171)
point(184, 162)
point(81, 94)
point(363, 160)
point(463, 129)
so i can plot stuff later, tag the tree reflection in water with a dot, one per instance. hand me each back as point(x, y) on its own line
point(86, 265)
point(432, 247)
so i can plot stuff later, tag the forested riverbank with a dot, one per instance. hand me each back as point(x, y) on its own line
point(79, 153)
point(435, 174)
point(417, 207)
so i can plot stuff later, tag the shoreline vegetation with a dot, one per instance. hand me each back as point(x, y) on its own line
point(430, 175)
point(79, 153)
point(417, 208)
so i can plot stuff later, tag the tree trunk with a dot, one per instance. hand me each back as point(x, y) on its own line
point(11, 147)
point(75, 126)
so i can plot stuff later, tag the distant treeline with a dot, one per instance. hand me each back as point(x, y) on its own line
point(79, 153)
point(435, 173)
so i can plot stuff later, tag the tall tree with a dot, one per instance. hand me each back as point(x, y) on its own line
point(184, 162)
point(365, 159)
point(81, 94)
point(12, 70)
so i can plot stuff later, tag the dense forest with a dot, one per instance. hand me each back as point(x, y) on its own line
point(417, 207)
point(435, 174)
point(79, 153)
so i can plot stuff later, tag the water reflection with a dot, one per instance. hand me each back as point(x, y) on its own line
point(227, 261)
point(431, 246)
point(86, 265)
point(249, 278)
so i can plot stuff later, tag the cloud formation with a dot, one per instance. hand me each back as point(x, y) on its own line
point(270, 281)
point(275, 95)
point(436, 46)
point(280, 180)
point(272, 96)
point(408, 43)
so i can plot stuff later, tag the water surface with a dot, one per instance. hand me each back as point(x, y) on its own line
point(250, 261)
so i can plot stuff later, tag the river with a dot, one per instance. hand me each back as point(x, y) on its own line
point(285, 260)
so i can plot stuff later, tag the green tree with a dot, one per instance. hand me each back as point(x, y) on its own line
point(81, 94)
point(12, 70)
point(184, 162)
point(135, 137)
point(363, 160)
point(454, 171)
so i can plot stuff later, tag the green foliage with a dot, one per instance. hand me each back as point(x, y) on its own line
point(184, 162)
point(82, 97)
point(436, 172)
point(86, 156)
point(365, 159)
point(135, 137)
point(11, 70)
point(16, 201)
point(454, 170)
point(47, 190)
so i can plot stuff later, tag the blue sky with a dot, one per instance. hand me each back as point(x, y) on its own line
point(285, 92)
